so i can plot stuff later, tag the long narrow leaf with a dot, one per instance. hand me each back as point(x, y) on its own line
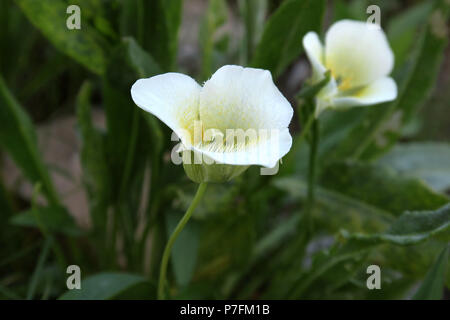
point(281, 41)
point(18, 137)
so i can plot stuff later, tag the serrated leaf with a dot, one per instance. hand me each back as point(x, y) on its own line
point(429, 161)
point(432, 287)
point(18, 138)
point(85, 45)
point(411, 227)
point(281, 41)
point(106, 286)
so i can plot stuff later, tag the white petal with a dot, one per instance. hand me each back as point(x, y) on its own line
point(315, 52)
point(243, 98)
point(172, 97)
point(357, 52)
point(267, 153)
point(382, 90)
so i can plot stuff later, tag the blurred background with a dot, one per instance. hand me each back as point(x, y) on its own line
point(86, 177)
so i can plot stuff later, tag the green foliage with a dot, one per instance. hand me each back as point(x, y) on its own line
point(18, 137)
point(86, 47)
point(433, 284)
point(380, 187)
point(53, 219)
point(185, 249)
point(402, 29)
point(155, 25)
point(106, 286)
point(253, 13)
point(346, 257)
point(281, 41)
point(122, 116)
point(93, 157)
point(378, 200)
point(215, 17)
point(410, 228)
point(427, 161)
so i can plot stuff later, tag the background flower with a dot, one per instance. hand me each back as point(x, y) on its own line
point(359, 58)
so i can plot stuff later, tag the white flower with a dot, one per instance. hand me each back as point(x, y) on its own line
point(235, 100)
point(359, 59)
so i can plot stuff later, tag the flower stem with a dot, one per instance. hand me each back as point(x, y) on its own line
point(165, 259)
point(312, 176)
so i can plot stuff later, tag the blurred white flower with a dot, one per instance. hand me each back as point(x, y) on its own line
point(236, 119)
point(359, 58)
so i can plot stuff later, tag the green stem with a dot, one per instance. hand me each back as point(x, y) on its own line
point(165, 259)
point(306, 127)
point(312, 176)
point(298, 142)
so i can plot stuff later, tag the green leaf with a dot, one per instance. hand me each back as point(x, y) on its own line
point(330, 261)
point(381, 125)
point(127, 142)
point(85, 45)
point(253, 13)
point(7, 234)
point(185, 250)
point(52, 218)
point(155, 25)
point(106, 286)
point(380, 187)
point(338, 209)
point(38, 271)
point(5, 205)
point(18, 138)
point(281, 41)
point(355, 10)
point(428, 161)
point(411, 227)
point(215, 17)
point(93, 157)
point(432, 287)
point(403, 28)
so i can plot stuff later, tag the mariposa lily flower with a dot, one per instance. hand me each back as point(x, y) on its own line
point(359, 58)
point(236, 119)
